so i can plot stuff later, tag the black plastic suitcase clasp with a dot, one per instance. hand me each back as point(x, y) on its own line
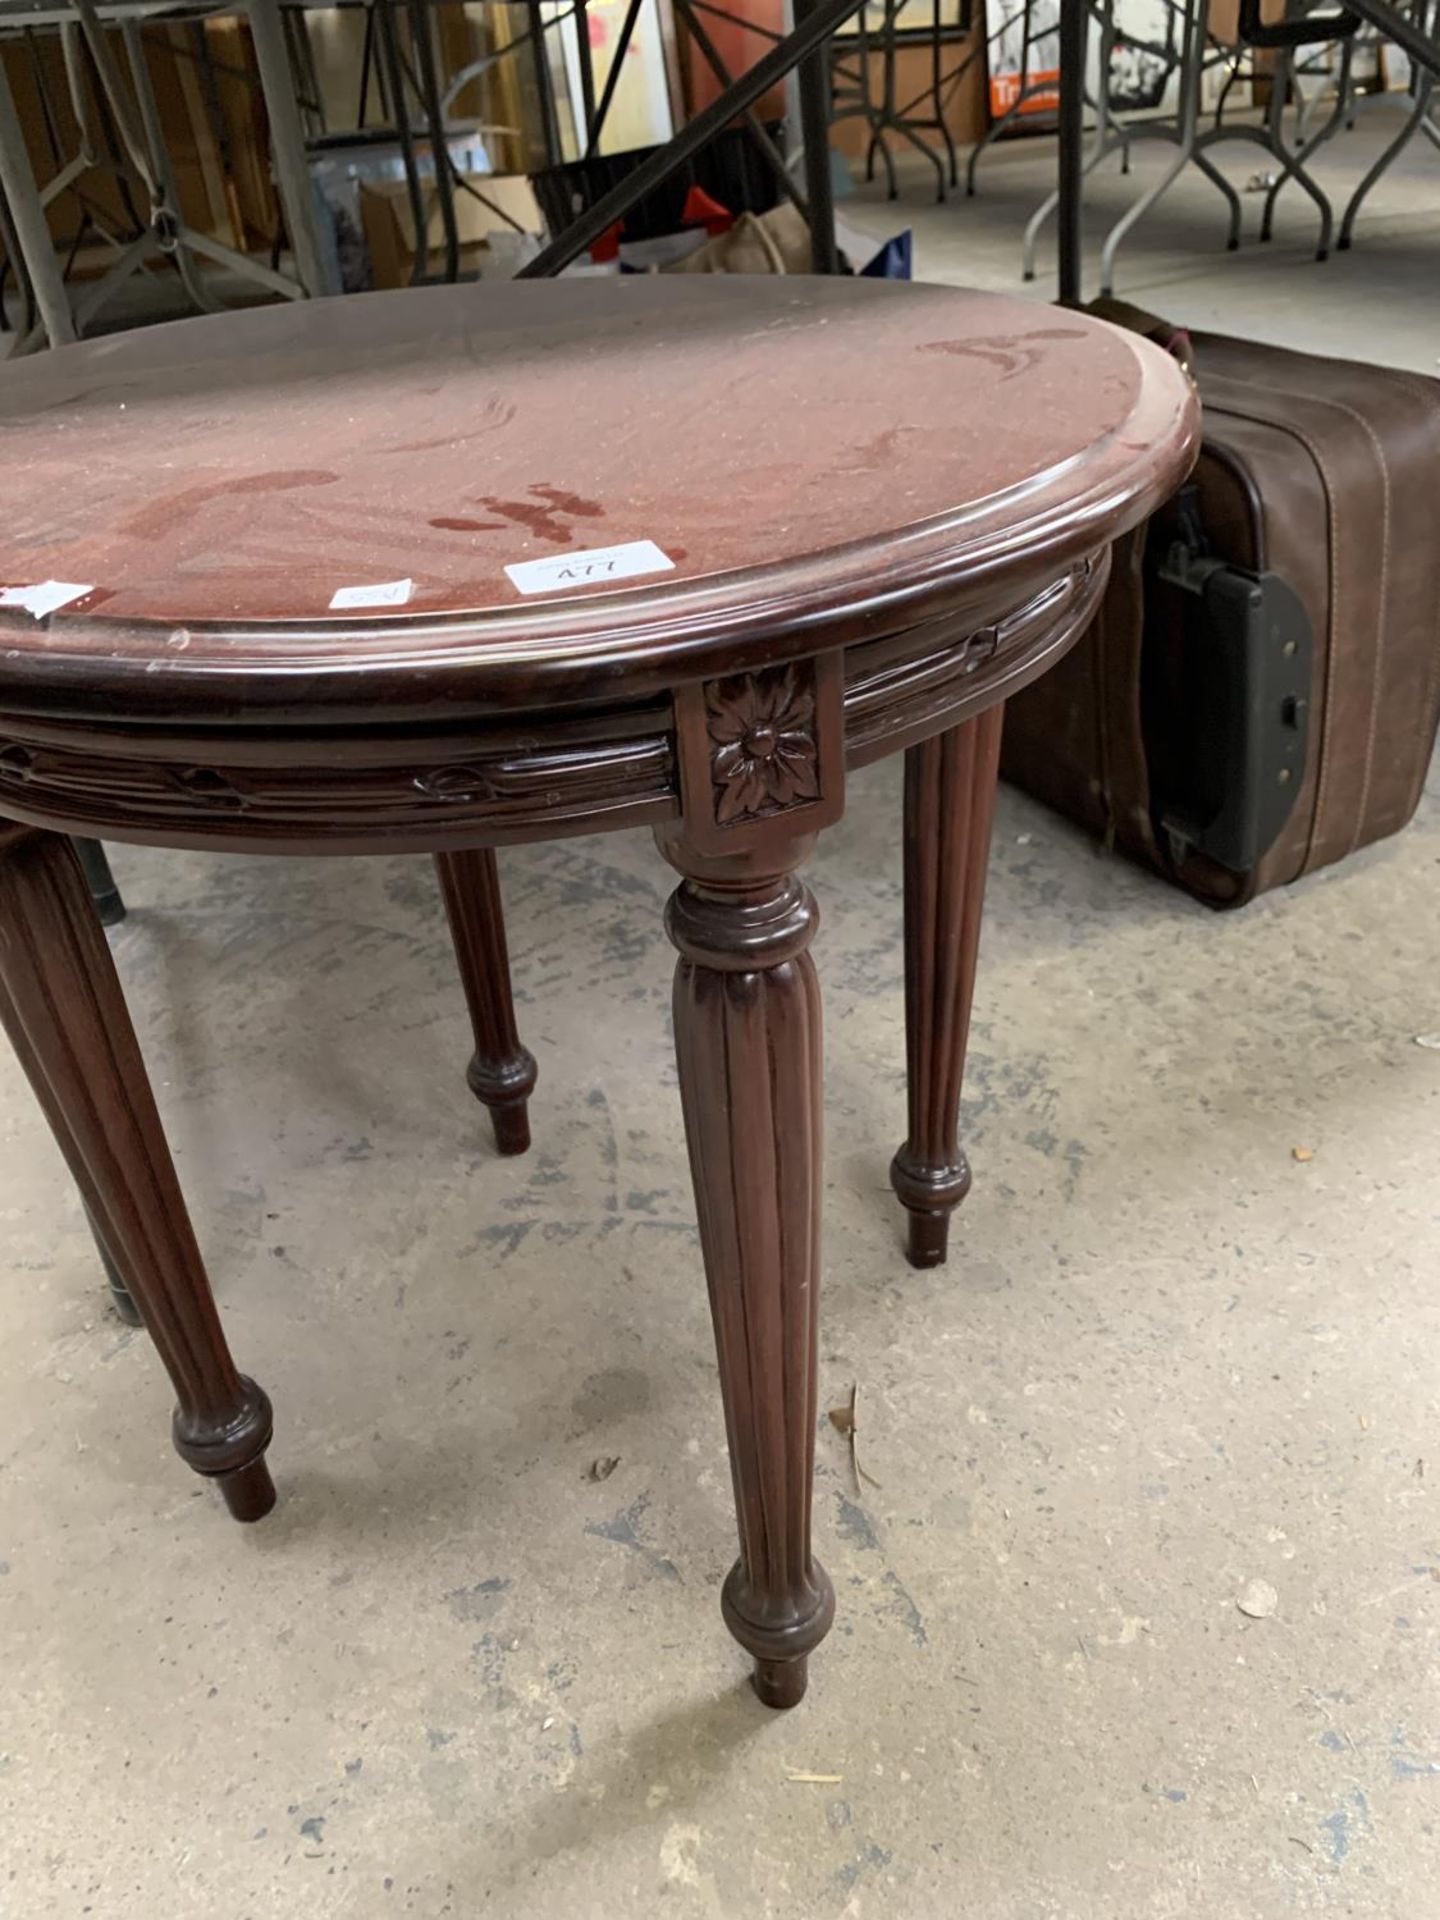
point(1247, 728)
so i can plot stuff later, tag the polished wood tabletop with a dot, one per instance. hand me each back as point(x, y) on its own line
point(815, 459)
point(442, 570)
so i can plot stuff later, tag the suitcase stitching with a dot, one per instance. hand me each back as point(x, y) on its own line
point(1430, 708)
point(1375, 677)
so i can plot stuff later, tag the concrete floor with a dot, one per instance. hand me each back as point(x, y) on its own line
point(453, 1675)
point(1376, 301)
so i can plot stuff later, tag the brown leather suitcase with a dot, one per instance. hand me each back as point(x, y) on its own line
point(1258, 694)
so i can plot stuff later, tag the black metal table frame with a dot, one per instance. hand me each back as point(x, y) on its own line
point(804, 51)
point(1387, 19)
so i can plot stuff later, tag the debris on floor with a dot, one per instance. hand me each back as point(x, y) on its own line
point(1259, 1600)
point(844, 1420)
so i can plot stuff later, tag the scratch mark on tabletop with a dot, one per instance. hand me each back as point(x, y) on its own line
point(162, 514)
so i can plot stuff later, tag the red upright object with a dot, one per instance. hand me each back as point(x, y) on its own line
point(703, 211)
point(739, 48)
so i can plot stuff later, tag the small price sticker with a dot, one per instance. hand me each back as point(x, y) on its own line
point(391, 593)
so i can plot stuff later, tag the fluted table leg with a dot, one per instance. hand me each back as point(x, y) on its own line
point(501, 1072)
point(747, 1035)
point(61, 1004)
point(949, 806)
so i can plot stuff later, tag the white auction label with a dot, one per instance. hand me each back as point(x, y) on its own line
point(595, 567)
point(391, 593)
point(44, 598)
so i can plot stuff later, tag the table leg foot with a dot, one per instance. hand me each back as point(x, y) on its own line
point(509, 1112)
point(231, 1449)
point(927, 1243)
point(249, 1492)
point(949, 805)
point(781, 1683)
point(501, 1073)
point(61, 1004)
point(927, 1239)
point(747, 1035)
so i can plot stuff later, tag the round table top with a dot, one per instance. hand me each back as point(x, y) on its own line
point(548, 484)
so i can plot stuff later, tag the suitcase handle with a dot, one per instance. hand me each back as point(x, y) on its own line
point(1248, 703)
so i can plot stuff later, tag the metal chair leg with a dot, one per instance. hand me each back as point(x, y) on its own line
point(1414, 120)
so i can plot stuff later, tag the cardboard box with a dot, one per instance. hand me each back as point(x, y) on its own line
point(489, 243)
point(966, 108)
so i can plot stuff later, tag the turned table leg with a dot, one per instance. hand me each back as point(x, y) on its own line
point(747, 1035)
point(109, 904)
point(501, 1072)
point(60, 1003)
point(120, 1296)
point(110, 911)
point(949, 805)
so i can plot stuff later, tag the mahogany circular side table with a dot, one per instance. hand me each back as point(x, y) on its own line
point(443, 570)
